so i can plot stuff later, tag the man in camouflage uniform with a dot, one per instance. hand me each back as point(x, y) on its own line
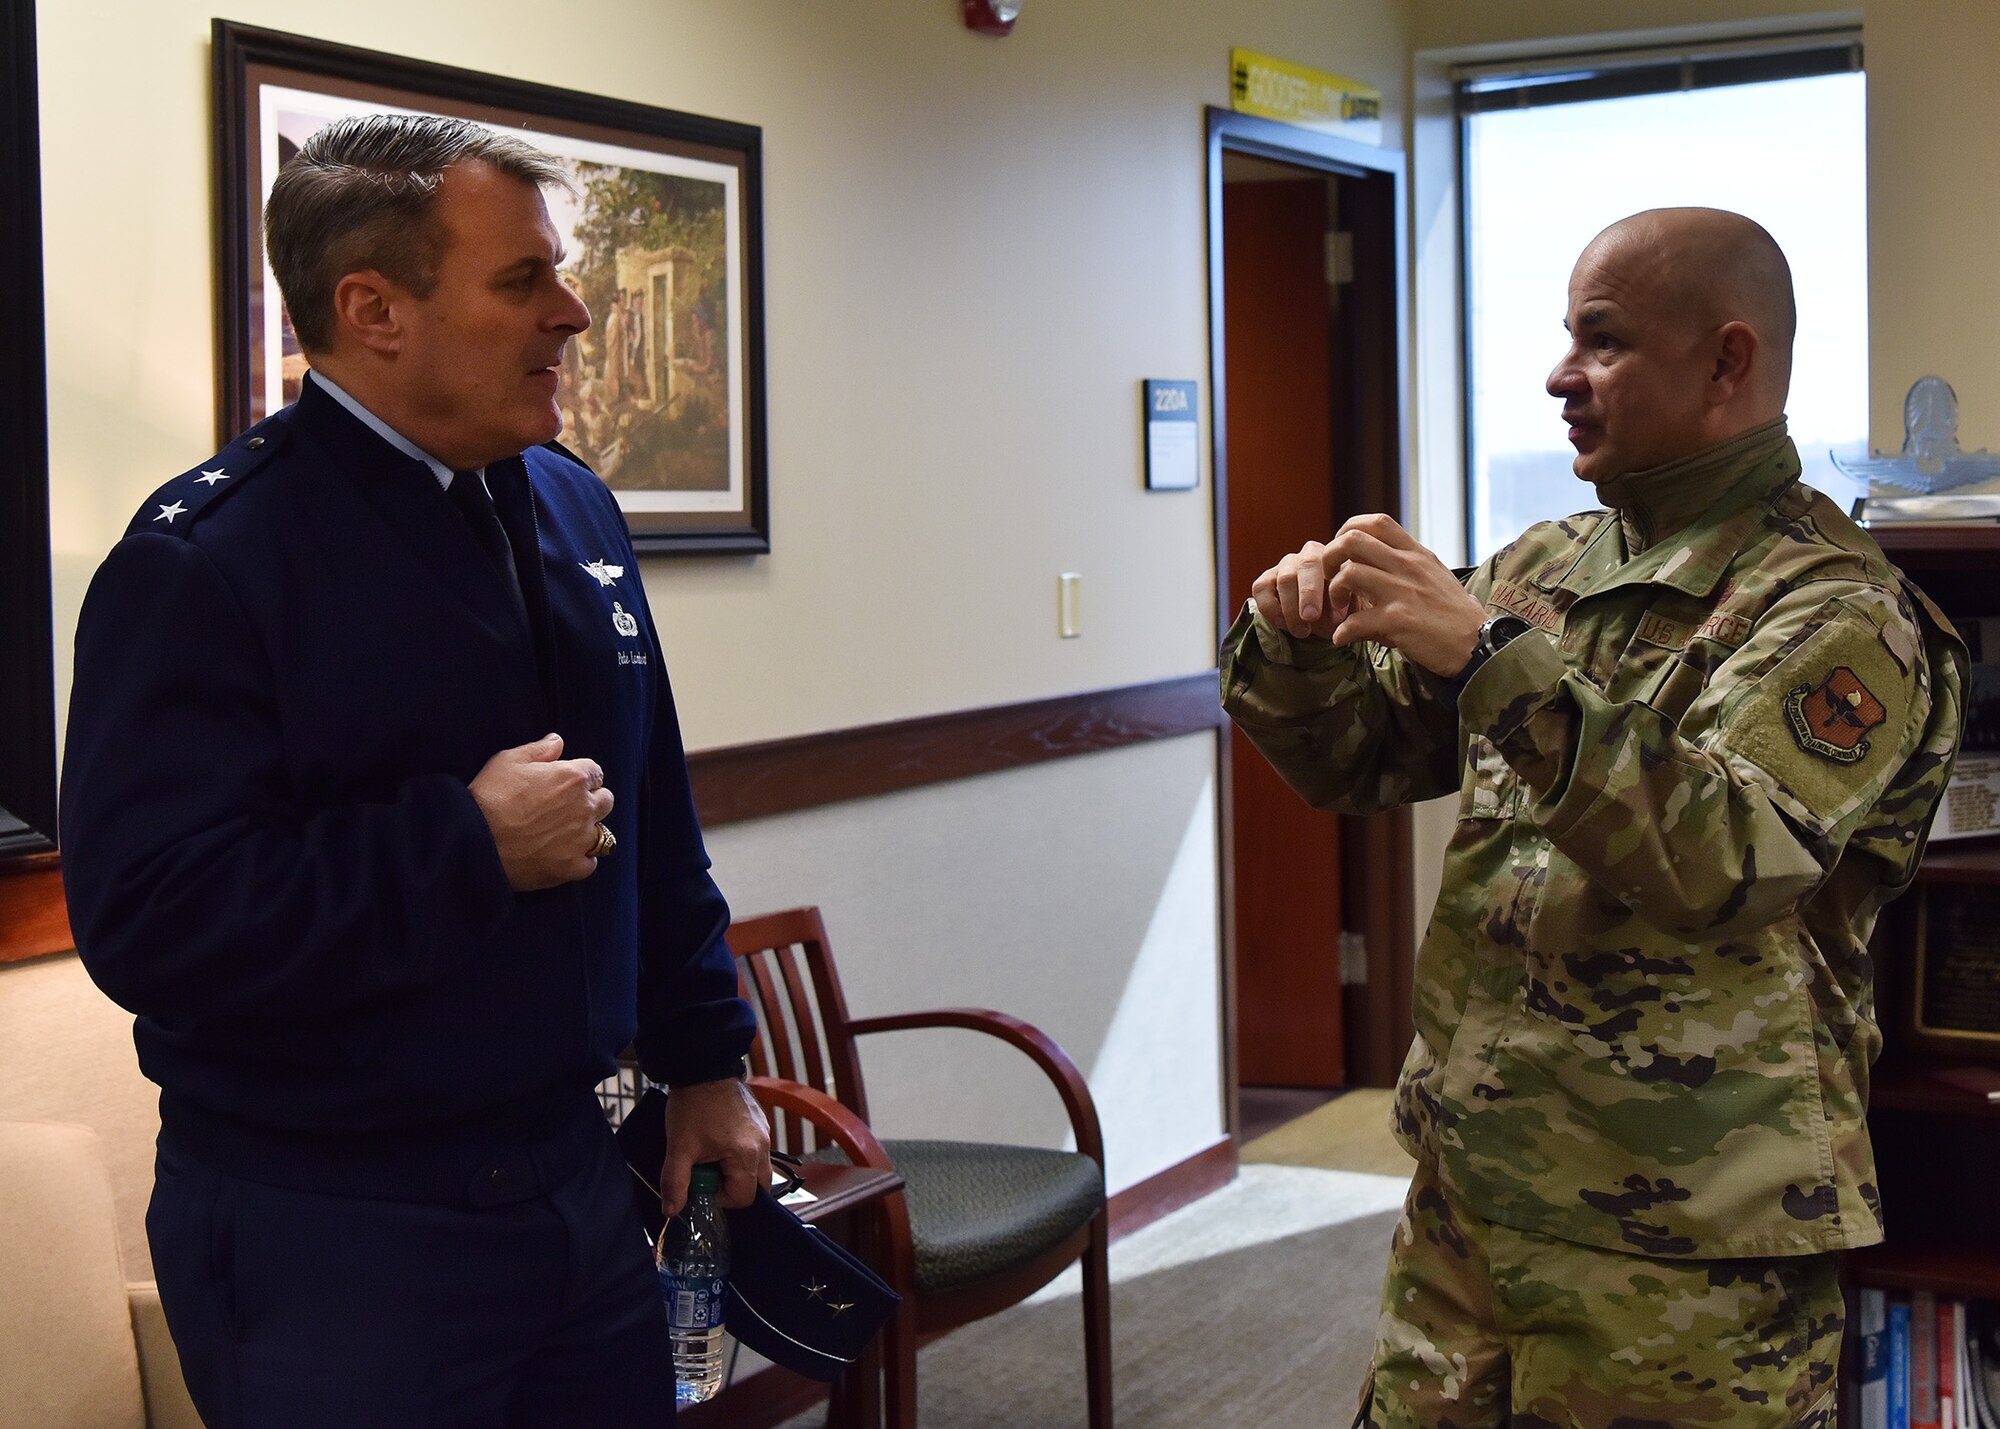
point(1697, 740)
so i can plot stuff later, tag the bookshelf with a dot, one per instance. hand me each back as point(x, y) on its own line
point(1937, 1147)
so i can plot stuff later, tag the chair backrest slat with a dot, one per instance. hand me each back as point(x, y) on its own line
point(775, 1035)
point(810, 1037)
point(807, 1029)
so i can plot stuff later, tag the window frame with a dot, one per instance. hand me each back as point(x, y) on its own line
point(1581, 76)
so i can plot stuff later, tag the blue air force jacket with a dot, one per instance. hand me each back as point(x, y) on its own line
point(286, 675)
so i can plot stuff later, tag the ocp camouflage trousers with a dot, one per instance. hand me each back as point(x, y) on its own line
point(1485, 1326)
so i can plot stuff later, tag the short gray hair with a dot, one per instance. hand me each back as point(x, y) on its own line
point(362, 194)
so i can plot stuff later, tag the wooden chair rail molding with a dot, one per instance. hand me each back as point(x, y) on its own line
point(754, 781)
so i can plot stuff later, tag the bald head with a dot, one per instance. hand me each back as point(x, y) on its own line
point(1681, 323)
point(1714, 267)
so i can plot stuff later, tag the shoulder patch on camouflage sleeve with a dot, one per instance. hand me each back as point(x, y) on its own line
point(1832, 718)
point(1825, 725)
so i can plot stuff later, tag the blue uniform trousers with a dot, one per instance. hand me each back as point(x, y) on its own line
point(531, 1303)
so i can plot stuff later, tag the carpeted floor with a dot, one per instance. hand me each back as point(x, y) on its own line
point(1255, 1306)
point(1349, 1133)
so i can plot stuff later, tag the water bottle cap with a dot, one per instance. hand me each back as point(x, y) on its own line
point(707, 1178)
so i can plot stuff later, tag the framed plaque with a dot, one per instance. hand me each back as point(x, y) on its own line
point(1955, 999)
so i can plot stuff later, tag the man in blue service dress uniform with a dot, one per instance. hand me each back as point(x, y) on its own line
point(376, 814)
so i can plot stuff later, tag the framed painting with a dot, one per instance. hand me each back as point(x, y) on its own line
point(663, 396)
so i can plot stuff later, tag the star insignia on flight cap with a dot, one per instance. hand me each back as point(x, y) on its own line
point(837, 1306)
point(813, 1288)
point(209, 478)
point(605, 573)
point(168, 513)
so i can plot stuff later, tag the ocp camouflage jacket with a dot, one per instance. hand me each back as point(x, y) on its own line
point(1644, 1005)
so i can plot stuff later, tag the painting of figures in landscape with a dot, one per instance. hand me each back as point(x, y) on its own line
point(646, 392)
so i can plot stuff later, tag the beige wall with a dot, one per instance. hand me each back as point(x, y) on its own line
point(1933, 206)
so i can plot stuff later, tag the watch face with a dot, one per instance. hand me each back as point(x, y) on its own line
point(1500, 629)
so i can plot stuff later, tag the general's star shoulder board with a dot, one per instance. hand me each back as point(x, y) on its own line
point(175, 507)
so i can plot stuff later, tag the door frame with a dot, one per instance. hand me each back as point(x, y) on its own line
point(1376, 853)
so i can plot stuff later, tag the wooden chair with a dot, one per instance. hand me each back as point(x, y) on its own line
point(979, 1227)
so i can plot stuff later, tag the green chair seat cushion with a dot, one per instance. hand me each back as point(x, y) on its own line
point(977, 1209)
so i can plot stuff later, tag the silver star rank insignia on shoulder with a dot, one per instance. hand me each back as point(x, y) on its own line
point(1833, 717)
point(605, 573)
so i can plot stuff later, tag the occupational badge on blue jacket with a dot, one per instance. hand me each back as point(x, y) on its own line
point(622, 620)
point(602, 572)
point(1832, 718)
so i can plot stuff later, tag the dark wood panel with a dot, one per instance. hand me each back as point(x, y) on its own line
point(33, 920)
point(1285, 855)
point(753, 781)
point(1181, 1184)
point(1939, 545)
point(1954, 1269)
point(1967, 861)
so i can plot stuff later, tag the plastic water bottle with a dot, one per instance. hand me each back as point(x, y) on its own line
point(694, 1266)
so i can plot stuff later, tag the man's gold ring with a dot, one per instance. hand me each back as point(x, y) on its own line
point(606, 841)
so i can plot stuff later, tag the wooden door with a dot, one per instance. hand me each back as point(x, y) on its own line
point(1279, 380)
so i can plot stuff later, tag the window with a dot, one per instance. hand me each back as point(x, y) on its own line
point(1554, 154)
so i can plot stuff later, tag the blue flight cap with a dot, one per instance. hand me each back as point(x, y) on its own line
point(796, 1296)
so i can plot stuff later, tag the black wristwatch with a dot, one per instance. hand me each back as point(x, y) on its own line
point(1494, 633)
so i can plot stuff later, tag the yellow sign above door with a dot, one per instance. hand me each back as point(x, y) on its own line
point(1277, 89)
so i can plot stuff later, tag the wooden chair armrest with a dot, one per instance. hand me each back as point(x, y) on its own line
point(848, 1131)
point(1040, 1048)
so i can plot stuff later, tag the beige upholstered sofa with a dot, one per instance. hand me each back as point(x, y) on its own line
point(80, 1348)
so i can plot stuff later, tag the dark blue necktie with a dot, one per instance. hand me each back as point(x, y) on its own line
point(468, 494)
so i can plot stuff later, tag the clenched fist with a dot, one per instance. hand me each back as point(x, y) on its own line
point(543, 811)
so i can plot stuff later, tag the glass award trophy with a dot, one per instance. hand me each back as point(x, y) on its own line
point(1931, 479)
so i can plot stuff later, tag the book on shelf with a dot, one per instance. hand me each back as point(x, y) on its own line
point(1982, 1362)
point(1947, 1364)
point(1968, 1417)
point(1949, 1377)
point(1924, 1361)
point(1899, 1364)
point(1871, 1315)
